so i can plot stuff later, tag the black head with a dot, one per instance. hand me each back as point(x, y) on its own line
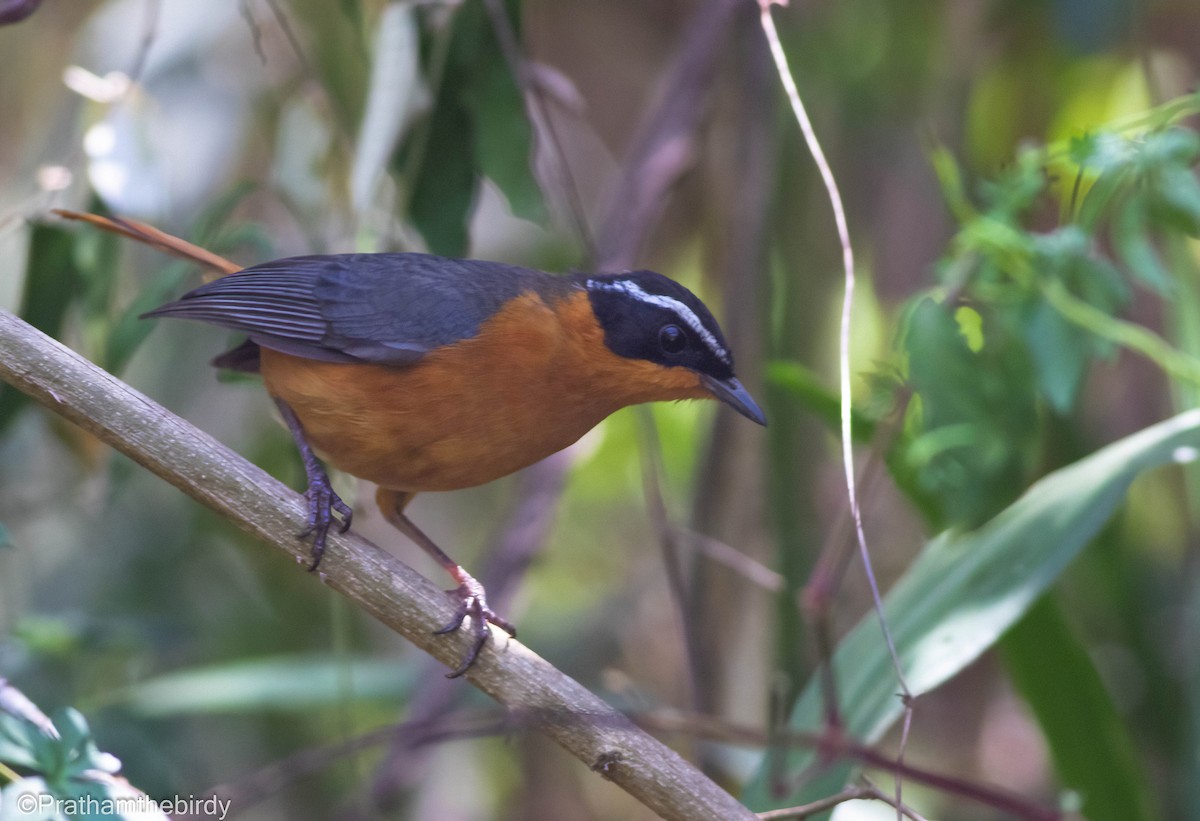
point(646, 315)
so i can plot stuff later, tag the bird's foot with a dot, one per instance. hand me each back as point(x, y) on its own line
point(472, 601)
point(322, 502)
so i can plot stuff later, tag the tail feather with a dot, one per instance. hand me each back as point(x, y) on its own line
point(149, 235)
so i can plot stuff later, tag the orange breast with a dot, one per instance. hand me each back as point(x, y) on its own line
point(532, 381)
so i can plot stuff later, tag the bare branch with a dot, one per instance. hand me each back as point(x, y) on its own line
point(849, 794)
point(375, 581)
point(837, 745)
point(423, 733)
point(665, 143)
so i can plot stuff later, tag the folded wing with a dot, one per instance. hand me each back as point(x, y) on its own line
point(382, 308)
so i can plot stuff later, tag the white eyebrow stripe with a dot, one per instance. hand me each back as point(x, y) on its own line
point(635, 291)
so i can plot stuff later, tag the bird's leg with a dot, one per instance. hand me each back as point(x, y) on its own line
point(322, 501)
point(471, 597)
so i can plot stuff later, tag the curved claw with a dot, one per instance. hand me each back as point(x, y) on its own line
point(322, 502)
point(472, 602)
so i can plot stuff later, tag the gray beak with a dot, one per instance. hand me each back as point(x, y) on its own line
point(734, 394)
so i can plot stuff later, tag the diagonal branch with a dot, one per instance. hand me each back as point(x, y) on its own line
point(375, 581)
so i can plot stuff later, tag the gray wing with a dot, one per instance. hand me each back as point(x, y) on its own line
point(382, 308)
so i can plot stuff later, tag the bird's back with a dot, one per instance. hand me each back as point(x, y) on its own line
point(387, 309)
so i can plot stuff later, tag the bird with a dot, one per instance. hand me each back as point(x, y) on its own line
point(419, 372)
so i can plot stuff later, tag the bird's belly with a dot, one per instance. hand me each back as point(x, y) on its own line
point(531, 382)
point(429, 426)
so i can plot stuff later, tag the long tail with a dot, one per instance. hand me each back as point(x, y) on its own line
point(149, 235)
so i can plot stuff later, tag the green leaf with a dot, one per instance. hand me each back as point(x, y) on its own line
point(1093, 753)
point(1060, 354)
point(52, 277)
point(1171, 146)
point(807, 387)
point(444, 192)
point(291, 683)
point(394, 83)
point(50, 635)
point(1102, 151)
point(129, 331)
point(1099, 196)
point(971, 449)
point(1177, 200)
point(504, 139)
point(965, 590)
point(949, 176)
point(338, 52)
point(69, 766)
point(1099, 282)
point(1131, 236)
point(52, 280)
point(479, 128)
point(209, 225)
point(76, 748)
point(17, 742)
point(96, 255)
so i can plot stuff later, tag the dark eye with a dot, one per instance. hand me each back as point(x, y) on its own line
point(672, 338)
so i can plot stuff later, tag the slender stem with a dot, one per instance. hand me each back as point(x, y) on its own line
point(278, 775)
point(840, 746)
point(1179, 364)
point(149, 32)
point(8, 774)
point(868, 793)
point(839, 215)
point(814, 807)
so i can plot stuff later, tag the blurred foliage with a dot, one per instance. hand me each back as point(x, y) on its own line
point(1042, 304)
point(1021, 179)
point(63, 764)
point(965, 590)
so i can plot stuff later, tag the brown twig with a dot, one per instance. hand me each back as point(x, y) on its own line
point(729, 557)
point(664, 145)
point(417, 733)
point(375, 581)
point(159, 240)
point(422, 733)
point(863, 793)
point(669, 546)
point(289, 34)
point(256, 36)
point(837, 745)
